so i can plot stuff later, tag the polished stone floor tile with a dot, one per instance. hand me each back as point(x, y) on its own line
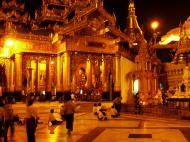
point(87, 128)
point(122, 135)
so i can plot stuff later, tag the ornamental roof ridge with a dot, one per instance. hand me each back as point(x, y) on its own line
point(92, 8)
point(29, 36)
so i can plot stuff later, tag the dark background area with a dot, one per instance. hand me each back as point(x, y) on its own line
point(169, 13)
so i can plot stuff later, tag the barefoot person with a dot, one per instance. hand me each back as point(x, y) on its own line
point(69, 109)
point(31, 121)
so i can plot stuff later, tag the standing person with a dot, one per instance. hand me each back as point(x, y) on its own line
point(69, 108)
point(164, 99)
point(62, 109)
point(8, 118)
point(1, 118)
point(137, 104)
point(31, 121)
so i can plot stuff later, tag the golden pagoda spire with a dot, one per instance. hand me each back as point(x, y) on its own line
point(132, 24)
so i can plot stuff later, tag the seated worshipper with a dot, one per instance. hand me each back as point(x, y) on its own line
point(94, 109)
point(113, 112)
point(101, 114)
point(17, 119)
point(52, 119)
point(99, 106)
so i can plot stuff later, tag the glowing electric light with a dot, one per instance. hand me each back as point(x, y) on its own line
point(9, 42)
point(52, 62)
point(154, 25)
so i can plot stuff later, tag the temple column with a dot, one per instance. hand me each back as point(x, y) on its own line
point(104, 82)
point(58, 85)
point(18, 72)
point(11, 76)
point(48, 71)
point(117, 85)
point(66, 72)
point(37, 76)
point(89, 73)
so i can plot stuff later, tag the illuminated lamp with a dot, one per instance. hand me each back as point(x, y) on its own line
point(154, 25)
point(9, 42)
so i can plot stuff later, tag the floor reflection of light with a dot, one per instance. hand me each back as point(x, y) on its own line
point(59, 131)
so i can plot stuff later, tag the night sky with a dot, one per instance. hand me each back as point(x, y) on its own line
point(169, 13)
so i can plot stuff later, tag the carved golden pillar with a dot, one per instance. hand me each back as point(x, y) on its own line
point(37, 76)
point(104, 81)
point(89, 73)
point(58, 85)
point(66, 72)
point(11, 76)
point(48, 75)
point(117, 85)
point(18, 72)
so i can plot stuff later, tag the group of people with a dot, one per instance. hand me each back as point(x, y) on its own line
point(8, 117)
point(101, 111)
point(66, 112)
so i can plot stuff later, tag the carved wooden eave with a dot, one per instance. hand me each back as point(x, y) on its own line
point(70, 28)
point(95, 8)
point(108, 41)
point(28, 36)
point(107, 15)
point(83, 46)
point(119, 33)
point(127, 54)
point(57, 2)
point(82, 18)
point(29, 43)
point(51, 14)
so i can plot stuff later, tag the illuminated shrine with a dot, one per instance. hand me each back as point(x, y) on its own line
point(70, 46)
point(75, 46)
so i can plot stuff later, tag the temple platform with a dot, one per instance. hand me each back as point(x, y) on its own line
point(87, 128)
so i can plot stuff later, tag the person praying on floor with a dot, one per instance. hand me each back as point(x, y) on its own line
point(113, 112)
point(94, 109)
point(101, 114)
point(52, 120)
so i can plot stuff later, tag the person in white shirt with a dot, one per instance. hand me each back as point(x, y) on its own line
point(94, 109)
point(52, 118)
point(102, 114)
point(31, 121)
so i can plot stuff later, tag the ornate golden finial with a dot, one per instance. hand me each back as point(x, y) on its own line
point(131, 4)
point(132, 29)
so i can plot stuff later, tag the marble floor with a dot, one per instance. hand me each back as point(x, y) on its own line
point(126, 128)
